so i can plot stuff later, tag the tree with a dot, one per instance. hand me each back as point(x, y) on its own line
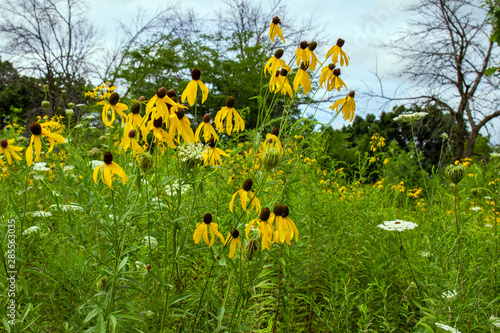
point(50, 40)
point(447, 50)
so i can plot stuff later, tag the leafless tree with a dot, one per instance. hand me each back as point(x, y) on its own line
point(445, 53)
point(51, 40)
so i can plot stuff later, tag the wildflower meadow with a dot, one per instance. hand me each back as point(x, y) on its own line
point(146, 214)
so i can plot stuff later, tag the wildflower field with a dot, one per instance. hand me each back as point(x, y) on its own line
point(142, 215)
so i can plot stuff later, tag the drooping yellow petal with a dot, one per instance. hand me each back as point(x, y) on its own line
point(204, 91)
point(231, 203)
point(38, 148)
point(116, 169)
point(96, 171)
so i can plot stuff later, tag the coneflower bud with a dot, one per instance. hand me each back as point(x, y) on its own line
point(149, 267)
point(286, 211)
point(108, 158)
point(46, 87)
point(283, 72)
point(158, 122)
point(180, 114)
point(146, 161)
point(276, 20)
point(171, 93)
point(251, 247)
point(3, 143)
point(264, 214)
point(278, 54)
point(303, 45)
point(71, 105)
point(206, 118)
point(247, 185)
point(195, 74)
point(278, 209)
point(135, 108)
point(340, 42)
point(95, 153)
point(304, 66)
point(275, 131)
point(312, 46)
point(271, 157)
point(131, 134)
point(162, 92)
point(331, 67)
point(142, 99)
point(207, 219)
point(455, 173)
point(351, 93)
point(45, 104)
point(336, 71)
point(114, 98)
point(35, 128)
point(102, 283)
point(230, 102)
point(235, 233)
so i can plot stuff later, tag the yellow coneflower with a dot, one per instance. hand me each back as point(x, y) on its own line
point(134, 119)
point(310, 52)
point(334, 81)
point(301, 53)
point(282, 84)
point(273, 82)
point(302, 79)
point(180, 125)
point(246, 195)
point(108, 169)
point(9, 150)
point(234, 237)
point(337, 51)
point(192, 88)
point(324, 78)
point(348, 106)
point(274, 29)
point(212, 155)
point(202, 231)
point(229, 113)
point(272, 140)
point(129, 141)
point(113, 105)
point(275, 63)
point(285, 227)
point(206, 127)
point(159, 101)
point(159, 133)
point(264, 226)
point(38, 131)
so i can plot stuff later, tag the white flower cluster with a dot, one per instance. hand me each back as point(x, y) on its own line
point(95, 163)
point(42, 214)
point(140, 265)
point(476, 209)
point(70, 207)
point(447, 328)
point(40, 166)
point(147, 241)
point(410, 117)
point(397, 225)
point(172, 190)
point(495, 321)
point(191, 151)
point(449, 294)
point(31, 230)
point(495, 154)
point(68, 168)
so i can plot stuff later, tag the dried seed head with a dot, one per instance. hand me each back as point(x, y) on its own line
point(230, 102)
point(142, 99)
point(195, 74)
point(278, 209)
point(336, 71)
point(455, 173)
point(251, 247)
point(131, 134)
point(3, 143)
point(304, 66)
point(114, 98)
point(303, 45)
point(35, 128)
point(351, 93)
point(278, 54)
point(108, 158)
point(158, 122)
point(312, 46)
point(102, 283)
point(331, 67)
point(146, 161)
point(162, 92)
point(283, 72)
point(340, 42)
point(180, 114)
point(206, 118)
point(247, 185)
point(275, 131)
point(276, 20)
point(135, 108)
point(264, 214)
point(286, 211)
point(235, 233)
point(149, 267)
point(207, 219)
point(171, 93)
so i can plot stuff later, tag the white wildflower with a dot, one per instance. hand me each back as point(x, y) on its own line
point(40, 166)
point(488, 197)
point(495, 321)
point(68, 208)
point(95, 163)
point(68, 168)
point(425, 254)
point(150, 241)
point(191, 151)
point(139, 265)
point(38, 177)
point(31, 230)
point(79, 125)
point(410, 117)
point(476, 209)
point(447, 328)
point(397, 225)
point(172, 190)
point(487, 225)
point(495, 154)
point(42, 214)
point(449, 294)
